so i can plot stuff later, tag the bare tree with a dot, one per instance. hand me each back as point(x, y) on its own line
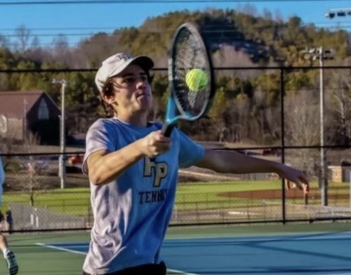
point(239, 119)
point(302, 128)
point(267, 14)
point(35, 43)
point(31, 180)
point(340, 104)
point(23, 34)
point(61, 47)
point(278, 16)
point(4, 42)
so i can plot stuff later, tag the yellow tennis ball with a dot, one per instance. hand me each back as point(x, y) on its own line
point(196, 80)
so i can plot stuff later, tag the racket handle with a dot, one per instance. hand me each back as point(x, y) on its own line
point(167, 129)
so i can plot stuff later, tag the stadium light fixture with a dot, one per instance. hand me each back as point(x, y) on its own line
point(339, 12)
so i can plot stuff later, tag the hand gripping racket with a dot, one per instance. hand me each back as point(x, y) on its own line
point(187, 52)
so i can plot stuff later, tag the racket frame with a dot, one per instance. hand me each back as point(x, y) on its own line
point(175, 111)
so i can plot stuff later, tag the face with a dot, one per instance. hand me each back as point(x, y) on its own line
point(132, 92)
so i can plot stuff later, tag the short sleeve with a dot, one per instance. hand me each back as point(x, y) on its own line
point(99, 137)
point(190, 152)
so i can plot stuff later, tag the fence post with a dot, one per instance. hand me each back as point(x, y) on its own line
point(282, 135)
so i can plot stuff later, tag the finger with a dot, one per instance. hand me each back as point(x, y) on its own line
point(293, 185)
point(159, 146)
point(160, 137)
point(162, 143)
point(298, 184)
point(304, 181)
point(165, 140)
point(288, 186)
point(306, 189)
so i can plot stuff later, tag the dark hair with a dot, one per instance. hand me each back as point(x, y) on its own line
point(107, 90)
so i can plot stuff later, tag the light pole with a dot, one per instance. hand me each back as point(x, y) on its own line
point(321, 55)
point(338, 12)
point(62, 166)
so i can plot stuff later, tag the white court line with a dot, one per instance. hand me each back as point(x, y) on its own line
point(83, 253)
point(180, 272)
point(60, 248)
point(266, 236)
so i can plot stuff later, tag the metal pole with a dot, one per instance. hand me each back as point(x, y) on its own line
point(62, 156)
point(62, 166)
point(25, 121)
point(324, 181)
point(282, 136)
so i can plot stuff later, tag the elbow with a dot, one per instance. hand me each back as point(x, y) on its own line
point(224, 166)
point(213, 160)
point(96, 176)
point(99, 179)
point(95, 179)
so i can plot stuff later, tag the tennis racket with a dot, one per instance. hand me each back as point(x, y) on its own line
point(187, 51)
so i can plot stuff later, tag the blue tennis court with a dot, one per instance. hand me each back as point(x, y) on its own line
point(312, 253)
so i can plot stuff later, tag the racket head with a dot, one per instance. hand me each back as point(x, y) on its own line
point(188, 51)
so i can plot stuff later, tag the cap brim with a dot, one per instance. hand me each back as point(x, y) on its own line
point(143, 61)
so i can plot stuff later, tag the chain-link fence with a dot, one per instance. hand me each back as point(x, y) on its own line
point(299, 116)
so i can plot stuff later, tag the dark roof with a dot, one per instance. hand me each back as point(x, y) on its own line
point(13, 102)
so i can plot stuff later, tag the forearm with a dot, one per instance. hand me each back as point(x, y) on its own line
point(236, 163)
point(106, 168)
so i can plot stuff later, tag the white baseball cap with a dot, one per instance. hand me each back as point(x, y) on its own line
point(116, 63)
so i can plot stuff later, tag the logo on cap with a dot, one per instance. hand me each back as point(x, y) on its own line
point(123, 56)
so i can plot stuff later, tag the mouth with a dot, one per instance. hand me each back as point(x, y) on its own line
point(141, 95)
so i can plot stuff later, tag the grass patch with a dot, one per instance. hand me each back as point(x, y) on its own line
point(190, 196)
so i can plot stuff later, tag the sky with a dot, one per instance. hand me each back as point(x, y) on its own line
point(77, 21)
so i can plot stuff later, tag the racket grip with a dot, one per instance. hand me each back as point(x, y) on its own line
point(167, 129)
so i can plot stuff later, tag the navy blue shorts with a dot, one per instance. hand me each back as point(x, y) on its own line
point(147, 269)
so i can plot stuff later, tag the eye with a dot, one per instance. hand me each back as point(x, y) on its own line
point(129, 80)
point(143, 77)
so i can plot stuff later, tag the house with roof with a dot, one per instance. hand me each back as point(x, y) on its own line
point(25, 112)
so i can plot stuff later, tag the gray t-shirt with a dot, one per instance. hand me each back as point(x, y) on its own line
point(132, 213)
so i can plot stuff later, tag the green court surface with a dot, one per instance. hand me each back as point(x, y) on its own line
point(36, 255)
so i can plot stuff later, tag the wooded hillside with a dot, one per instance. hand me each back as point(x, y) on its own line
point(247, 106)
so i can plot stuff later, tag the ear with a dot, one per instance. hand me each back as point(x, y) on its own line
point(109, 99)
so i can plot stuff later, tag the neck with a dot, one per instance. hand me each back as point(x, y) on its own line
point(135, 119)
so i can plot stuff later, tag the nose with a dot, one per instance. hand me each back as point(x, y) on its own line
point(141, 83)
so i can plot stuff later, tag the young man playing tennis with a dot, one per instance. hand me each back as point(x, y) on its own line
point(8, 255)
point(133, 172)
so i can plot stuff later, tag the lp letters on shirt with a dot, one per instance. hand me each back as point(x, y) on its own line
point(158, 171)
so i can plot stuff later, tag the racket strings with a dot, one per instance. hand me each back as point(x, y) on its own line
point(189, 55)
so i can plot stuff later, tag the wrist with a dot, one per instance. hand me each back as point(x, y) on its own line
point(140, 147)
point(277, 167)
